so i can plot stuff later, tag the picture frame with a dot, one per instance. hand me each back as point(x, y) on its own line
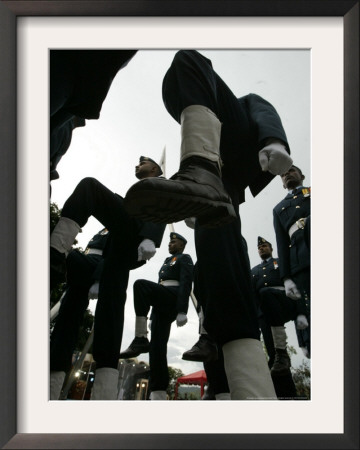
point(9, 11)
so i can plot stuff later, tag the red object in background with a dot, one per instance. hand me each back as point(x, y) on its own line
point(198, 378)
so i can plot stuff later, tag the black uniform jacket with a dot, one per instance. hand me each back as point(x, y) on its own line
point(98, 242)
point(266, 274)
point(263, 123)
point(179, 267)
point(294, 253)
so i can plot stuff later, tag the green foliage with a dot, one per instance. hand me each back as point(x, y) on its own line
point(55, 214)
point(174, 374)
point(302, 379)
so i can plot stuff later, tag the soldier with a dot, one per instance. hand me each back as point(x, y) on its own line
point(227, 144)
point(132, 242)
point(83, 275)
point(79, 83)
point(292, 229)
point(277, 309)
point(170, 300)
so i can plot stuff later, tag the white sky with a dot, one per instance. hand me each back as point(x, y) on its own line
point(134, 122)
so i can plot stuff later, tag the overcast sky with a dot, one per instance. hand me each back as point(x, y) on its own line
point(134, 122)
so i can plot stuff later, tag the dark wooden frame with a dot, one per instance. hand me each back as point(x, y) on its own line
point(9, 11)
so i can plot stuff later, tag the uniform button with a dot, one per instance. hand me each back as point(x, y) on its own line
point(295, 196)
point(162, 271)
point(265, 284)
point(297, 206)
point(264, 275)
point(290, 246)
point(263, 268)
point(283, 207)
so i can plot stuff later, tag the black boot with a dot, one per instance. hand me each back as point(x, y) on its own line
point(282, 363)
point(139, 345)
point(196, 190)
point(204, 350)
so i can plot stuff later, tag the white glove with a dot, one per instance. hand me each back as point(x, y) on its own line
point(190, 222)
point(146, 250)
point(94, 291)
point(181, 319)
point(291, 290)
point(149, 326)
point(301, 322)
point(275, 159)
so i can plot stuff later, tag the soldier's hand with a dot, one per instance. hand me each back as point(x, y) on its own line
point(94, 291)
point(274, 158)
point(291, 289)
point(181, 319)
point(301, 322)
point(146, 250)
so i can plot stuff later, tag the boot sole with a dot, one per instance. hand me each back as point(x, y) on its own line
point(194, 359)
point(171, 208)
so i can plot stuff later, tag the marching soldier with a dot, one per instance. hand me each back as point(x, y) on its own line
point(131, 243)
point(292, 228)
point(276, 309)
point(227, 144)
point(83, 275)
point(170, 301)
point(79, 83)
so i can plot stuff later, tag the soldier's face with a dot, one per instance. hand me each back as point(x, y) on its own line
point(265, 251)
point(145, 169)
point(175, 246)
point(292, 178)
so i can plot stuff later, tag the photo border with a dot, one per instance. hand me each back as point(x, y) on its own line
point(9, 11)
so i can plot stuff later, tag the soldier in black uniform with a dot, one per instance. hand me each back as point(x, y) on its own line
point(79, 83)
point(83, 272)
point(275, 309)
point(170, 300)
point(131, 243)
point(291, 223)
point(244, 138)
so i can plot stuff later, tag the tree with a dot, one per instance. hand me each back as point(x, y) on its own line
point(174, 374)
point(302, 376)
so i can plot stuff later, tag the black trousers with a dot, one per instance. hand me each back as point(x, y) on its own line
point(91, 198)
point(163, 300)
point(223, 263)
point(216, 376)
point(79, 83)
point(80, 269)
point(276, 306)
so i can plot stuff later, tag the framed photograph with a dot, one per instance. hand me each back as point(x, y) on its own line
point(328, 30)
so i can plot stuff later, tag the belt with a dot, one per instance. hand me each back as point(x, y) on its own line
point(169, 283)
point(298, 225)
point(93, 251)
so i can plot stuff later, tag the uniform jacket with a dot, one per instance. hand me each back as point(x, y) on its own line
point(181, 268)
point(294, 253)
point(266, 274)
point(261, 122)
point(98, 241)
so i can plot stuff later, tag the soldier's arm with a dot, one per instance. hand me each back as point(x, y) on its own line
point(267, 121)
point(283, 242)
point(185, 280)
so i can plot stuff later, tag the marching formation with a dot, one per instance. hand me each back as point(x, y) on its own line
point(228, 144)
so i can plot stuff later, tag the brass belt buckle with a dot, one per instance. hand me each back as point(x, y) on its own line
point(301, 223)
